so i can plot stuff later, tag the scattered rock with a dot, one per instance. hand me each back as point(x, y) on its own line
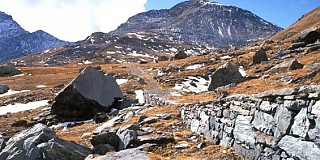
point(286, 66)
point(129, 115)
point(148, 129)
point(201, 145)
point(141, 118)
point(20, 123)
point(4, 88)
point(40, 142)
point(123, 155)
point(106, 137)
point(164, 116)
point(141, 81)
point(155, 139)
point(113, 112)
point(224, 75)
point(149, 120)
point(128, 137)
point(181, 146)
point(109, 123)
point(260, 56)
point(180, 55)
point(100, 117)
point(83, 97)
point(102, 149)
point(9, 70)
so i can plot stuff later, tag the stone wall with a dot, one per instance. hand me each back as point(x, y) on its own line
point(278, 124)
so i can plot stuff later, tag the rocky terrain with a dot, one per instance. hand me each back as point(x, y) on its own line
point(256, 102)
point(16, 42)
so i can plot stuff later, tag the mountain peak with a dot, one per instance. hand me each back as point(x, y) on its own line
point(15, 41)
point(201, 22)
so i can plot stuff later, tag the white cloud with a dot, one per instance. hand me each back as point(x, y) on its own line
point(71, 20)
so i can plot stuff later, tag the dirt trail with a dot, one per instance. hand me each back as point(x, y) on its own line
point(150, 82)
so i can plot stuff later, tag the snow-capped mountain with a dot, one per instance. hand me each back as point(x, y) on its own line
point(15, 41)
point(200, 22)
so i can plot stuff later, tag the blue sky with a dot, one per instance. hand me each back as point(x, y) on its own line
point(280, 12)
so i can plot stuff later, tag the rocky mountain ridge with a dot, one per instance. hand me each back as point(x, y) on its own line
point(200, 22)
point(16, 42)
point(196, 27)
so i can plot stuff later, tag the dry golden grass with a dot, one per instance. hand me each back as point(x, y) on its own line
point(308, 21)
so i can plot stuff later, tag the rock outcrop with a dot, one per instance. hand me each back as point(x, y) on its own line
point(86, 95)
point(40, 142)
point(225, 75)
point(276, 124)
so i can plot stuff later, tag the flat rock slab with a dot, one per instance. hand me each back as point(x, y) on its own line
point(155, 139)
point(87, 94)
point(122, 155)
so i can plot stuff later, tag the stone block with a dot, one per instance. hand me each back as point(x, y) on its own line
point(243, 130)
point(301, 124)
point(263, 122)
point(295, 147)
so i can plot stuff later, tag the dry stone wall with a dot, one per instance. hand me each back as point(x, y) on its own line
point(277, 124)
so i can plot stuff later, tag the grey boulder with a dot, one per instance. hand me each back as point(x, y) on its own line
point(259, 56)
point(286, 66)
point(9, 70)
point(225, 75)
point(180, 55)
point(4, 88)
point(40, 142)
point(86, 95)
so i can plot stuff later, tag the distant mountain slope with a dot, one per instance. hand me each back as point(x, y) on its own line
point(15, 41)
point(200, 22)
point(308, 21)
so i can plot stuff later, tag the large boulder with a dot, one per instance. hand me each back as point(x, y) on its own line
point(3, 88)
point(259, 56)
point(9, 70)
point(40, 142)
point(310, 37)
point(224, 75)
point(87, 94)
